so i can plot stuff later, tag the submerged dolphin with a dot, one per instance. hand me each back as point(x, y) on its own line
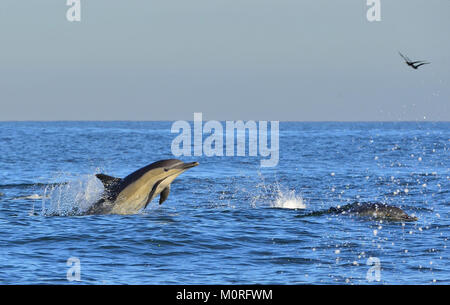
point(378, 211)
point(134, 192)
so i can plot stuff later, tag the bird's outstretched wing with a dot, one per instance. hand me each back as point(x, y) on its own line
point(404, 57)
point(416, 62)
point(424, 63)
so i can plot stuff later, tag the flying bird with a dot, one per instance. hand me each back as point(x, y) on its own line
point(413, 64)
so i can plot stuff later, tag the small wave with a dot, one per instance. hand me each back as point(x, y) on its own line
point(26, 185)
point(30, 197)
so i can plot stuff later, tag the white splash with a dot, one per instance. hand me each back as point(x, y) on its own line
point(73, 197)
point(276, 196)
point(288, 200)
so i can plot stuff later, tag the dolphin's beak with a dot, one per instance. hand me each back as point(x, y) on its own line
point(189, 165)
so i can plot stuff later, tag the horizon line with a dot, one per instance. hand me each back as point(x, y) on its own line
point(285, 121)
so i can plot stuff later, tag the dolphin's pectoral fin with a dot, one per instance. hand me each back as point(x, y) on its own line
point(107, 180)
point(164, 194)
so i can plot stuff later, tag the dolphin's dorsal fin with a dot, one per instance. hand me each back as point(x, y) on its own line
point(164, 194)
point(107, 180)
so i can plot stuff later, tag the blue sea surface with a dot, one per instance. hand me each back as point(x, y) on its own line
point(228, 220)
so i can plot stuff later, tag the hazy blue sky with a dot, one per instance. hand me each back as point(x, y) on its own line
point(230, 59)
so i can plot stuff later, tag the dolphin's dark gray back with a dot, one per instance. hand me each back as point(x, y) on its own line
point(110, 184)
point(140, 172)
point(371, 210)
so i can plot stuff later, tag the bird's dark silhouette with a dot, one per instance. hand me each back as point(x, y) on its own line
point(413, 64)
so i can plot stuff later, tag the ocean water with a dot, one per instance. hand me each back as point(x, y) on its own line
point(227, 221)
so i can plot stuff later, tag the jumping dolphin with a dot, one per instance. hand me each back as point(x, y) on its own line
point(377, 211)
point(134, 192)
point(413, 64)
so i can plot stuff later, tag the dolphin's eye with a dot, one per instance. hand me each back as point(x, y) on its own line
point(166, 169)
